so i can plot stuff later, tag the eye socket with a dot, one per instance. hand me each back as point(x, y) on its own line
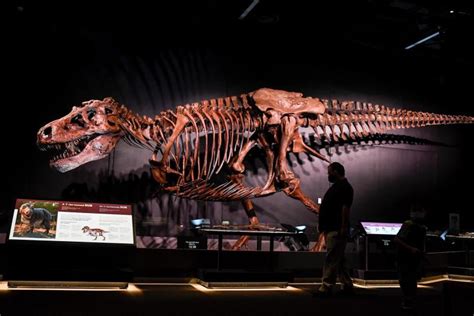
point(90, 114)
point(108, 111)
point(78, 119)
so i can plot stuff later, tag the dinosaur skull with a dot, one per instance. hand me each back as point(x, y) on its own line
point(89, 132)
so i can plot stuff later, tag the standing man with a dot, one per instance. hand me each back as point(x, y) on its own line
point(334, 225)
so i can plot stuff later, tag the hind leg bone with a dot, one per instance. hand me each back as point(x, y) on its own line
point(286, 177)
point(238, 168)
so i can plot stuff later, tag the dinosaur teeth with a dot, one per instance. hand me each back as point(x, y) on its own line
point(67, 149)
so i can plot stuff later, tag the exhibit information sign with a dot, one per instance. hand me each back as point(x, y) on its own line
point(65, 221)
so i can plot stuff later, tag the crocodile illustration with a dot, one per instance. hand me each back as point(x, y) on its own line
point(195, 144)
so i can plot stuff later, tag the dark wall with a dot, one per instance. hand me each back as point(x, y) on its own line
point(59, 57)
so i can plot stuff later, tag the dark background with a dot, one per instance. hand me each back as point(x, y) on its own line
point(152, 57)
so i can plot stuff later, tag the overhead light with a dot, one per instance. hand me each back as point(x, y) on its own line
point(422, 40)
point(250, 8)
point(452, 11)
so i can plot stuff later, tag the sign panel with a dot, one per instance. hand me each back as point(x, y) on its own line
point(64, 221)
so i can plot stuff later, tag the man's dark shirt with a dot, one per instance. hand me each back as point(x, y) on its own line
point(330, 214)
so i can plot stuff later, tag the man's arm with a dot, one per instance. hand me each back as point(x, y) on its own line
point(347, 199)
point(346, 211)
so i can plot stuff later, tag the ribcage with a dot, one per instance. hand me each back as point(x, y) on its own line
point(216, 132)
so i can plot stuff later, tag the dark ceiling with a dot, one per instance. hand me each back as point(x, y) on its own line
point(368, 34)
point(386, 26)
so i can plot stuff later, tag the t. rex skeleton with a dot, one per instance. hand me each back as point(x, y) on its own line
point(193, 143)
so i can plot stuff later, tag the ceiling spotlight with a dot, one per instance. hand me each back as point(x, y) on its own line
point(452, 11)
point(422, 40)
point(250, 8)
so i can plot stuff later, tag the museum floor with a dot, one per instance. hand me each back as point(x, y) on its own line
point(438, 298)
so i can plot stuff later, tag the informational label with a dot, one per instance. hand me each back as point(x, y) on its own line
point(376, 228)
point(72, 222)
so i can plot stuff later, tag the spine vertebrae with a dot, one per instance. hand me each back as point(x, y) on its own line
point(353, 120)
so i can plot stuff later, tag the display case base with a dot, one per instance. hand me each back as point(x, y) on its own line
point(66, 285)
point(243, 278)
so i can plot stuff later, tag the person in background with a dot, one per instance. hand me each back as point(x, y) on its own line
point(334, 225)
point(410, 242)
